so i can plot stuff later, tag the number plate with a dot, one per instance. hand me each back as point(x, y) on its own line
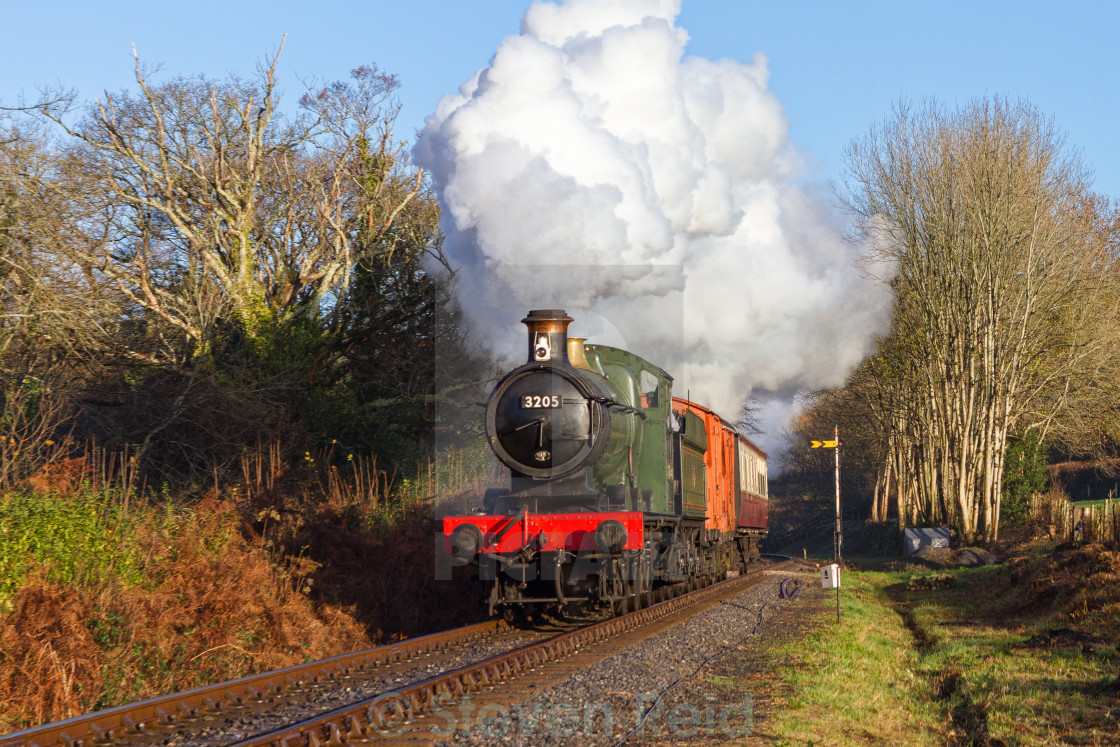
point(538, 401)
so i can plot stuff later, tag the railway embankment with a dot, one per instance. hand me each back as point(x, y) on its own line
point(109, 598)
point(102, 605)
point(1023, 652)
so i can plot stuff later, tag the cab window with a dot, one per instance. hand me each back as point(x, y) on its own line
point(648, 383)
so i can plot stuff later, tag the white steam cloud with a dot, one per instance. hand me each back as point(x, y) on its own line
point(594, 167)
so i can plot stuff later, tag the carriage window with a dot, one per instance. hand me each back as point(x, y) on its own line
point(648, 383)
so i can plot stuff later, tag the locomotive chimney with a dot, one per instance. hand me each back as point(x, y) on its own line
point(548, 335)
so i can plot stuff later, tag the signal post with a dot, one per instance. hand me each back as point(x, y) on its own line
point(833, 578)
point(838, 532)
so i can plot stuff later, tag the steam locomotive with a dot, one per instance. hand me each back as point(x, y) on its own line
point(616, 487)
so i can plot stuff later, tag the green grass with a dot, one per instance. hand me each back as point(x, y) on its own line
point(1102, 503)
point(945, 666)
point(1021, 695)
point(859, 679)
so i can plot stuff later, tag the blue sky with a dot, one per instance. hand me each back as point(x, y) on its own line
point(836, 66)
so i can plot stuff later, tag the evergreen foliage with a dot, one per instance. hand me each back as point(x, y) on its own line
point(1024, 474)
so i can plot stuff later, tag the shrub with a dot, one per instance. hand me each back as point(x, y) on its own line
point(1024, 474)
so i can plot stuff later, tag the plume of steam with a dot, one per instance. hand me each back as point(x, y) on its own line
point(595, 167)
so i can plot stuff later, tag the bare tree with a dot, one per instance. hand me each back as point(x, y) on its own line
point(1075, 407)
point(53, 320)
point(212, 210)
point(248, 254)
point(750, 413)
point(988, 219)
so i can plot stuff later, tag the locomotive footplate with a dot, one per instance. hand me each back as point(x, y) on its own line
point(510, 539)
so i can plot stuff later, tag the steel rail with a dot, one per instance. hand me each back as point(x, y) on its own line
point(103, 726)
point(382, 715)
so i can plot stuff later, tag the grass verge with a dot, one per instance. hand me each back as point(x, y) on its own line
point(859, 680)
point(975, 661)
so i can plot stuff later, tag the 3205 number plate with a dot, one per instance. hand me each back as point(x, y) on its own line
point(537, 401)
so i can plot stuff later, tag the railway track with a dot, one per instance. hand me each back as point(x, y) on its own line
point(403, 715)
point(196, 716)
point(297, 713)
